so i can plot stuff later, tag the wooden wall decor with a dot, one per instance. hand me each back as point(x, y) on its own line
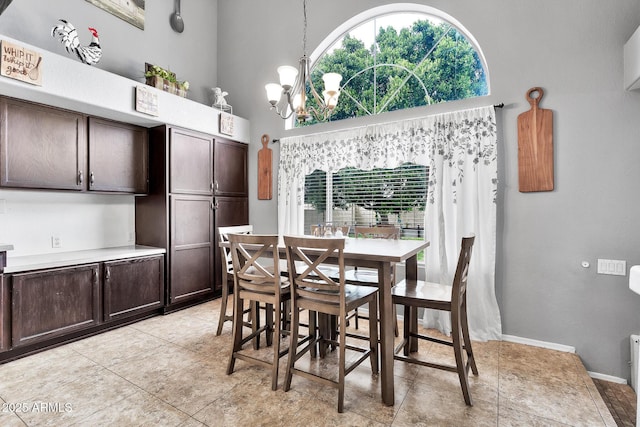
point(20, 63)
point(265, 158)
point(535, 146)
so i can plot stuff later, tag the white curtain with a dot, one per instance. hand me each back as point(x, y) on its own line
point(460, 150)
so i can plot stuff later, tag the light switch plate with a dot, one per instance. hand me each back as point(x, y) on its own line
point(612, 266)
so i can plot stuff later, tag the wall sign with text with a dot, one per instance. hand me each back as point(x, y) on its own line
point(21, 64)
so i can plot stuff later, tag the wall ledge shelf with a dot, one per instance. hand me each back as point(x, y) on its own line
point(70, 84)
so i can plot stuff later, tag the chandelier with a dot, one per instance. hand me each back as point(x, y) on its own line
point(290, 95)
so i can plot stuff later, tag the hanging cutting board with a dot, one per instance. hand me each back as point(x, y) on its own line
point(535, 145)
point(265, 158)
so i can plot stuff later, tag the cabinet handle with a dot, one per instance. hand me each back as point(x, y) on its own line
point(215, 186)
point(107, 273)
point(80, 177)
point(211, 186)
point(92, 179)
point(214, 205)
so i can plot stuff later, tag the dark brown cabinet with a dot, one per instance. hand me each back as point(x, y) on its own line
point(231, 191)
point(44, 147)
point(132, 286)
point(178, 213)
point(5, 314)
point(118, 157)
point(41, 147)
point(190, 162)
point(230, 168)
point(192, 247)
point(52, 303)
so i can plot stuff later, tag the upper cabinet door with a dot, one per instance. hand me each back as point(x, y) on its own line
point(41, 147)
point(118, 157)
point(230, 168)
point(190, 163)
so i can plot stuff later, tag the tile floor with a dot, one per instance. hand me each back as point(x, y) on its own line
point(170, 371)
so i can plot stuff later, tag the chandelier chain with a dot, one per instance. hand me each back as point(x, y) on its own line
point(304, 34)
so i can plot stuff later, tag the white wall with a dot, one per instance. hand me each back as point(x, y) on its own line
point(572, 49)
point(192, 54)
point(80, 221)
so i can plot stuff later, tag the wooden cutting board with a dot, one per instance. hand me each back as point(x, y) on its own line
point(265, 159)
point(535, 146)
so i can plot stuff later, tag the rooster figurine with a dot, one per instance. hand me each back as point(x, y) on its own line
point(68, 36)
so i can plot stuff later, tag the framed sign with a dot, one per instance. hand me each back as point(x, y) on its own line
point(146, 101)
point(20, 63)
point(226, 123)
point(131, 11)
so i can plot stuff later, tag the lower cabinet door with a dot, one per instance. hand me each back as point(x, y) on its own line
point(192, 248)
point(51, 303)
point(133, 286)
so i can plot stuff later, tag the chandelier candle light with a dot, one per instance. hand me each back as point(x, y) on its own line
point(290, 95)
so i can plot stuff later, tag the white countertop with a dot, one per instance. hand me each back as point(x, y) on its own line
point(5, 247)
point(64, 259)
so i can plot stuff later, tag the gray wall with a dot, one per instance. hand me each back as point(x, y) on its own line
point(192, 54)
point(571, 48)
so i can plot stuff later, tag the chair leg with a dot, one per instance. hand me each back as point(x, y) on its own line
point(356, 317)
point(255, 322)
point(456, 335)
point(396, 332)
point(276, 348)
point(406, 327)
point(373, 335)
point(293, 345)
point(237, 332)
point(269, 322)
point(342, 362)
point(223, 306)
point(467, 340)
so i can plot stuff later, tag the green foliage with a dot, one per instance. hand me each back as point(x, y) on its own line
point(438, 55)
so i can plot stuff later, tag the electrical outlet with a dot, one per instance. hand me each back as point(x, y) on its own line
point(612, 266)
point(55, 242)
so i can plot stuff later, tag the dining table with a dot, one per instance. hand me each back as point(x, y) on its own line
point(381, 254)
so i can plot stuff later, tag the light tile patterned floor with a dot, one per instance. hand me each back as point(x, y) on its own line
point(170, 371)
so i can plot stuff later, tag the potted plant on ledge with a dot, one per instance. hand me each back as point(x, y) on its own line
point(165, 80)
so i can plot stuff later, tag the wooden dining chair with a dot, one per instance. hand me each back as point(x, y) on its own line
point(367, 276)
point(227, 270)
point(315, 291)
point(257, 279)
point(446, 297)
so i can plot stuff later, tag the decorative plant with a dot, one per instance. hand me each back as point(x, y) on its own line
point(157, 71)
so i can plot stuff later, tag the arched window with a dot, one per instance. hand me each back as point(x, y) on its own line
point(400, 56)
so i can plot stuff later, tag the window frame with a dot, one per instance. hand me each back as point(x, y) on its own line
point(390, 9)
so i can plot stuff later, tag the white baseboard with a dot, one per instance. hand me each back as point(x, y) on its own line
point(536, 343)
point(604, 377)
point(565, 348)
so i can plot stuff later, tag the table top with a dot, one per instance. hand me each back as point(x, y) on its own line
point(374, 249)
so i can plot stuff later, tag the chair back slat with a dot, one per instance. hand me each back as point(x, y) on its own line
point(305, 256)
point(459, 289)
point(256, 262)
point(378, 232)
point(223, 233)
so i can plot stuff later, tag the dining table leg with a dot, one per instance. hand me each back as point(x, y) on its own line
point(387, 335)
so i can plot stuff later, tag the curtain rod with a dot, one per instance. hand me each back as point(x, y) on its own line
point(500, 105)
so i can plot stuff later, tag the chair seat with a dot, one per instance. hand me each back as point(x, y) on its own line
point(424, 294)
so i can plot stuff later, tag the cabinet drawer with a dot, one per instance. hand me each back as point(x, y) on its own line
point(52, 303)
point(133, 286)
